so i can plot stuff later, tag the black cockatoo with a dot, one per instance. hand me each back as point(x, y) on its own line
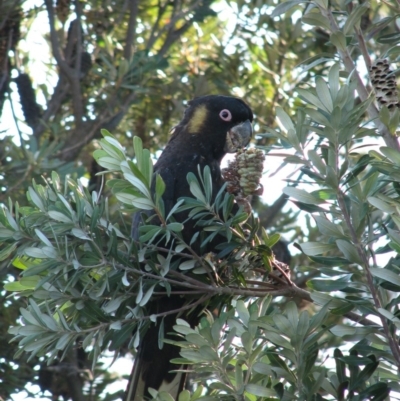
point(211, 127)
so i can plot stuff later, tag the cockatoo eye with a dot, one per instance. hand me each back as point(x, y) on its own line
point(225, 115)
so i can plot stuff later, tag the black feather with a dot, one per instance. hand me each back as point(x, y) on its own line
point(198, 140)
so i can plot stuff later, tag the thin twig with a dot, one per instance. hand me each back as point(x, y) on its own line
point(131, 32)
point(73, 74)
point(76, 82)
point(66, 69)
point(363, 47)
point(69, 152)
point(360, 319)
point(7, 14)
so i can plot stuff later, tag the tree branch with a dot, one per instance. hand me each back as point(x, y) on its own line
point(72, 74)
point(65, 68)
point(130, 34)
point(60, 93)
point(365, 264)
point(348, 62)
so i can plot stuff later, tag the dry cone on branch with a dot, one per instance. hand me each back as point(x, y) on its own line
point(384, 83)
point(243, 175)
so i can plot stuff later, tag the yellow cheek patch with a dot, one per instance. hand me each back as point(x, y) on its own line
point(197, 120)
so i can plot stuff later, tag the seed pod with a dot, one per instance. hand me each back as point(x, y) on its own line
point(243, 175)
point(384, 84)
point(9, 38)
point(31, 110)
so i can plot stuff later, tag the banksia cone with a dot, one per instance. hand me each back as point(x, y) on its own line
point(9, 37)
point(231, 177)
point(384, 83)
point(244, 173)
point(31, 110)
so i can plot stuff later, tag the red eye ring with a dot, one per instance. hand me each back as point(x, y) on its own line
point(225, 115)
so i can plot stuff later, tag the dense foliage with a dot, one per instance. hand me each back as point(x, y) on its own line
point(325, 101)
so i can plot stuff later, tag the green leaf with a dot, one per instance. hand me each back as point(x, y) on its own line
point(7, 251)
point(238, 375)
point(303, 326)
point(5, 233)
point(138, 202)
point(43, 238)
point(30, 282)
point(139, 294)
point(272, 240)
point(313, 100)
point(342, 330)
point(138, 184)
point(63, 341)
point(279, 340)
point(113, 305)
point(36, 199)
point(276, 360)
point(243, 312)
point(208, 354)
point(316, 248)
point(328, 228)
point(195, 188)
point(107, 162)
point(324, 93)
point(355, 17)
point(175, 227)
point(196, 339)
point(340, 365)
point(187, 265)
point(385, 274)
point(329, 260)
point(317, 161)
point(381, 204)
point(343, 95)
point(79, 233)
point(339, 40)
point(302, 196)
point(58, 216)
point(316, 19)
point(31, 330)
point(147, 296)
point(309, 208)
point(392, 154)
point(284, 325)
point(342, 310)
point(389, 38)
point(349, 251)
point(113, 148)
point(326, 285)
point(324, 299)
point(281, 8)
point(284, 118)
point(259, 391)
point(377, 392)
point(334, 80)
point(160, 186)
point(164, 396)
point(15, 286)
point(320, 118)
point(184, 395)
point(35, 253)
